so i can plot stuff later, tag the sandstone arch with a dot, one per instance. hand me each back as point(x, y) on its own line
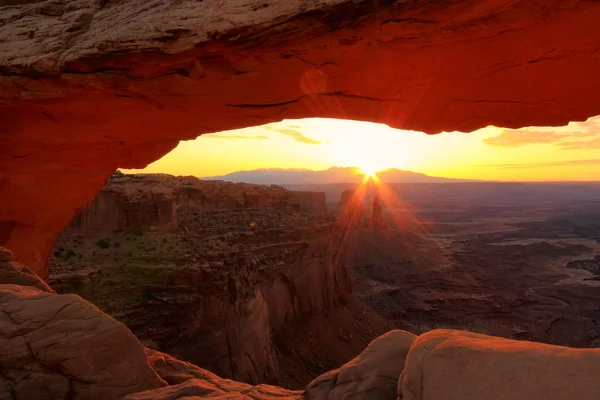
point(88, 86)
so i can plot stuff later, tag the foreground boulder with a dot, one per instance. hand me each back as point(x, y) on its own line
point(373, 374)
point(447, 364)
point(189, 380)
point(62, 347)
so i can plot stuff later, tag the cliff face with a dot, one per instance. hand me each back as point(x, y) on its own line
point(309, 201)
point(155, 200)
point(244, 262)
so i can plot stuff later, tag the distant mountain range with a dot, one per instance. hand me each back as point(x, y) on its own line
point(277, 176)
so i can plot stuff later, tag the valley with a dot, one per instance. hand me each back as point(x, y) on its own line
point(520, 264)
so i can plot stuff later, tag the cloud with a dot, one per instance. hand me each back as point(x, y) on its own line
point(576, 135)
point(231, 137)
point(565, 163)
point(518, 138)
point(593, 143)
point(293, 132)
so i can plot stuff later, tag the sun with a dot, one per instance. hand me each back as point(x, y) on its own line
point(369, 170)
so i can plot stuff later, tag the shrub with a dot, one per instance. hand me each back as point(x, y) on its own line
point(69, 254)
point(147, 294)
point(103, 244)
point(116, 245)
point(139, 233)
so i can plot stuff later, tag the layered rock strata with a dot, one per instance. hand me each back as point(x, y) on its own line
point(213, 277)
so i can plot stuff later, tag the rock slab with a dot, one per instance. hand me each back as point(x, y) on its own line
point(449, 365)
point(373, 374)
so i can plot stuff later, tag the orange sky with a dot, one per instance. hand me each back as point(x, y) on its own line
point(529, 154)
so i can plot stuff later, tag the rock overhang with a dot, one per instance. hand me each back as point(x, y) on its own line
point(87, 86)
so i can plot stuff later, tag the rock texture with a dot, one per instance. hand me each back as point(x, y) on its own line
point(14, 273)
point(189, 380)
point(62, 347)
point(240, 267)
point(88, 86)
point(373, 374)
point(351, 209)
point(154, 201)
point(446, 364)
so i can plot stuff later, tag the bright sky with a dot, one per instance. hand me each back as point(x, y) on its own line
point(528, 154)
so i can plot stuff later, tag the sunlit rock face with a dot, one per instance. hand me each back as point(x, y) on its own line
point(471, 366)
point(153, 201)
point(88, 86)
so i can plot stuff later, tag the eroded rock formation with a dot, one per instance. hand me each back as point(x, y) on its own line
point(60, 347)
point(155, 200)
point(43, 351)
point(89, 86)
point(64, 347)
point(377, 220)
point(448, 364)
point(371, 375)
point(351, 209)
point(216, 273)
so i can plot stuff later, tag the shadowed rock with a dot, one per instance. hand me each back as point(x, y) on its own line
point(12, 272)
point(62, 347)
point(244, 264)
point(373, 374)
point(189, 380)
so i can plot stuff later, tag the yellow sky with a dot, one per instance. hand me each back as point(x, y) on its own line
point(528, 154)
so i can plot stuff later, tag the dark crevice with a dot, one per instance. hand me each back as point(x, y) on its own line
point(410, 20)
point(328, 94)
point(49, 116)
point(265, 105)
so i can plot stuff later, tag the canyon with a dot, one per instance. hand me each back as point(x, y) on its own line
point(515, 260)
point(89, 86)
point(247, 281)
point(264, 285)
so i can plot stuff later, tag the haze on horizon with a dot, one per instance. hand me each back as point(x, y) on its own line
point(569, 153)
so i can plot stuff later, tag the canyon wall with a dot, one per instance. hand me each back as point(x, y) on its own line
point(154, 200)
point(208, 271)
point(89, 86)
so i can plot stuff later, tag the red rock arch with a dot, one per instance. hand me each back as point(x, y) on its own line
point(90, 86)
